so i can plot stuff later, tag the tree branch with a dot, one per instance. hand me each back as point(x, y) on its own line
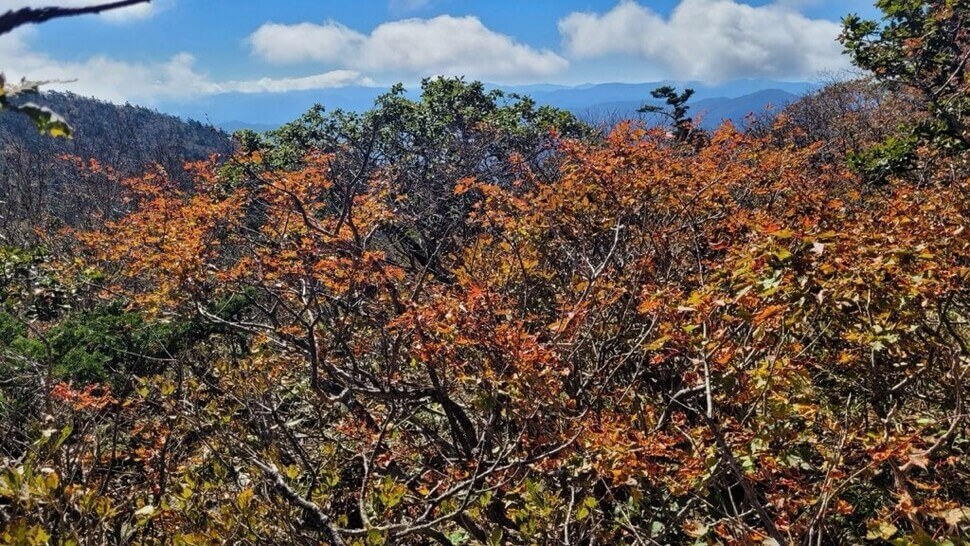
point(26, 16)
point(317, 517)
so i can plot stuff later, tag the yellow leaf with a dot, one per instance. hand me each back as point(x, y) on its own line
point(657, 344)
point(881, 530)
point(956, 516)
point(244, 498)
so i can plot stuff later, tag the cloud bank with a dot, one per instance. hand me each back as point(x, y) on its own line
point(174, 79)
point(425, 47)
point(711, 40)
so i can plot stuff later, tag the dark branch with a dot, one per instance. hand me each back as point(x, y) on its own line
point(26, 16)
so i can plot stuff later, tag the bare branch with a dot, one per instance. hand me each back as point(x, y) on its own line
point(26, 16)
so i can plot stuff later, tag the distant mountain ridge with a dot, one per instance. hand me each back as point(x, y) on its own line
point(732, 100)
point(709, 113)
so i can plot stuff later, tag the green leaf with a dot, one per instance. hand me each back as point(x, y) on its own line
point(46, 120)
point(881, 530)
point(145, 511)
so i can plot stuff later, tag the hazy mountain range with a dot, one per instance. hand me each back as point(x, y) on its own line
point(595, 103)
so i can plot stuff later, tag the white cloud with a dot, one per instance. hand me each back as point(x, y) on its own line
point(444, 45)
point(137, 11)
point(174, 79)
point(334, 78)
point(282, 44)
point(712, 40)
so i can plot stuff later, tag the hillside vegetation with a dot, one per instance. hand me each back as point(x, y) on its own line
point(40, 188)
point(470, 319)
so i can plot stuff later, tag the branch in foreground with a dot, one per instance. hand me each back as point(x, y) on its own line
point(26, 16)
point(317, 517)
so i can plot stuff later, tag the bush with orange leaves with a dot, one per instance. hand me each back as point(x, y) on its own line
point(658, 345)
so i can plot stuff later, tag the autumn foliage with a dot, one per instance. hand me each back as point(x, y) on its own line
point(659, 345)
point(460, 322)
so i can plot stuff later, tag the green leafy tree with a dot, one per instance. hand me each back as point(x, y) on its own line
point(454, 131)
point(920, 47)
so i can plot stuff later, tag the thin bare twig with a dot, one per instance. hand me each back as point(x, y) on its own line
point(27, 16)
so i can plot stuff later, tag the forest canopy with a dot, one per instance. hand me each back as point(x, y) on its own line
point(466, 318)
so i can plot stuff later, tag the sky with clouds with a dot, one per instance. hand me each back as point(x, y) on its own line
point(180, 50)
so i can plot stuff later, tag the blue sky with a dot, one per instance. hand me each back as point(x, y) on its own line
point(184, 49)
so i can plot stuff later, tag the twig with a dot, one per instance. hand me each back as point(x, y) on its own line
point(319, 519)
point(26, 16)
